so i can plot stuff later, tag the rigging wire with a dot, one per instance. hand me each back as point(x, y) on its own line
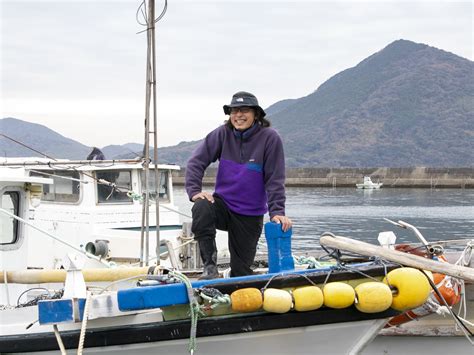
point(142, 10)
point(98, 180)
point(24, 145)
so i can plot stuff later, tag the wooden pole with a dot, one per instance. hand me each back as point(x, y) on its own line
point(59, 276)
point(155, 142)
point(362, 248)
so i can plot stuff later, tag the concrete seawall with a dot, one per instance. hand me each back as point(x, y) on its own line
point(348, 177)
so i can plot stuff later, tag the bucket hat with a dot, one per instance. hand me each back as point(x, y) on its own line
point(243, 98)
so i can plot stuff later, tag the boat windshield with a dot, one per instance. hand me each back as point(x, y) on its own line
point(163, 188)
point(65, 187)
point(118, 194)
point(8, 225)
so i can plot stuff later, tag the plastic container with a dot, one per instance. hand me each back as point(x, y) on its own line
point(279, 248)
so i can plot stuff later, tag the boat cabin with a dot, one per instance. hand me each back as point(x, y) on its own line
point(87, 205)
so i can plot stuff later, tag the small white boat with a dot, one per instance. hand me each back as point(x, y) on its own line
point(369, 184)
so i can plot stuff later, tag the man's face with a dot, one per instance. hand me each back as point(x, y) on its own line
point(242, 117)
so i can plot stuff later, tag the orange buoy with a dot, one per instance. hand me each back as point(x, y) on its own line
point(246, 300)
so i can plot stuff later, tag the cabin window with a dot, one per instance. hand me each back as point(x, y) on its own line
point(163, 190)
point(65, 187)
point(8, 225)
point(118, 194)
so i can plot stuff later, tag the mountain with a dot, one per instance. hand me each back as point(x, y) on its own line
point(407, 105)
point(50, 143)
point(40, 138)
point(129, 150)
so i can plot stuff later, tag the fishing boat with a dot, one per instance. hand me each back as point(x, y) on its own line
point(369, 184)
point(55, 309)
point(93, 298)
point(157, 313)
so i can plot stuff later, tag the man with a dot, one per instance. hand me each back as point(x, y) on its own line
point(250, 181)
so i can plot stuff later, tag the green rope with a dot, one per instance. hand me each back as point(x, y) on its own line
point(312, 262)
point(212, 298)
point(194, 309)
point(134, 196)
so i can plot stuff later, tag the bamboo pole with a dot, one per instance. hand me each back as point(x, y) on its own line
point(411, 260)
point(72, 162)
point(59, 276)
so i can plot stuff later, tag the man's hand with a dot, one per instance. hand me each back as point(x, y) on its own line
point(284, 221)
point(203, 195)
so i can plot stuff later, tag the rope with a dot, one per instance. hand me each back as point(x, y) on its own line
point(345, 267)
point(213, 298)
point(194, 309)
point(105, 182)
point(89, 255)
point(59, 340)
point(285, 274)
point(24, 145)
point(121, 280)
point(457, 320)
point(464, 260)
point(85, 316)
point(134, 196)
point(28, 290)
point(308, 260)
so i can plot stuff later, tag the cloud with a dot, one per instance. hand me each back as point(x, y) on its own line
point(76, 64)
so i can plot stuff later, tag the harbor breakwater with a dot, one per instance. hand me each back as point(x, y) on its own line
point(421, 177)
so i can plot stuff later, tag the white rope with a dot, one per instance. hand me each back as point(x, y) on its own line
point(464, 260)
point(59, 340)
point(85, 316)
point(176, 211)
point(166, 252)
point(59, 176)
point(103, 289)
point(309, 260)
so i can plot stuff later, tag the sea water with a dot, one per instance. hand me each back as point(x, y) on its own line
point(439, 214)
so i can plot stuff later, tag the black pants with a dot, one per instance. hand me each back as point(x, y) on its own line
point(244, 231)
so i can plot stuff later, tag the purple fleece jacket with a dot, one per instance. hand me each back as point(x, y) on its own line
point(251, 169)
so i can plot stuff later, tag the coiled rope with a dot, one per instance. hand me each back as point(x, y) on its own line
point(194, 309)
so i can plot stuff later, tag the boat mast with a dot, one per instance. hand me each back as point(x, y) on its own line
point(150, 104)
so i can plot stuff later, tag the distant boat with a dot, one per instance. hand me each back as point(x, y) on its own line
point(369, 184)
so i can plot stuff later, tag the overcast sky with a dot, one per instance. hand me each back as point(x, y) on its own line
point(78, 67)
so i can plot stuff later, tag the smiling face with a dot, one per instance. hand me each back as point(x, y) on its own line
point(242, 117)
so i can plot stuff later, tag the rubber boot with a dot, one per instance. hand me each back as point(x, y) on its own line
point(209, 257)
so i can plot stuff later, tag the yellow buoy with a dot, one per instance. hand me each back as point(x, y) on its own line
point(246, 300)
point(412, 288)
point(276, 301)
point(308, 298)
point(373, 297)
point(338, 295)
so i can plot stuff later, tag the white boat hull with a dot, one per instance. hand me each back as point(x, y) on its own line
point(432, 345)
